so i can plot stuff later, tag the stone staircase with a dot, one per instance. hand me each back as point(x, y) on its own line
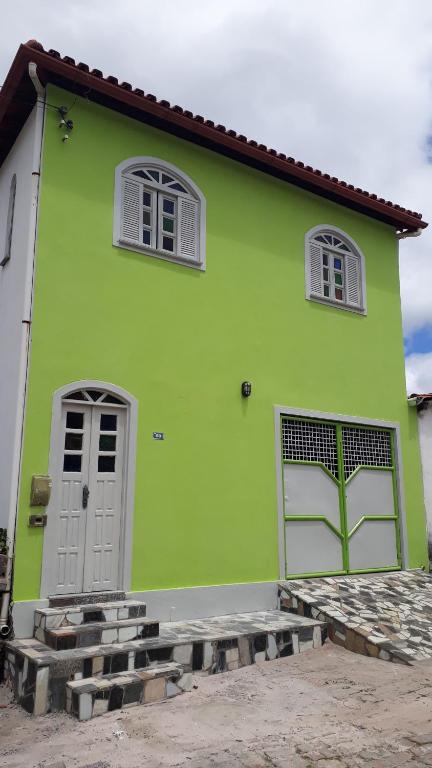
point(94, 632)
point(94, 696)
point(89, 657)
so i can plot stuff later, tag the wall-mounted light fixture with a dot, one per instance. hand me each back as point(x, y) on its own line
point(246, 389)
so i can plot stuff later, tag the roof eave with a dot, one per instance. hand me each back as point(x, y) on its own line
point(77, 78)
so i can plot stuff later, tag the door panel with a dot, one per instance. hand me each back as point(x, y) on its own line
point(310, 491)
point(369, 492)
point(105, 500)
point(312, 547)
point(369, 475)
point(373, 546)
point(74, 457)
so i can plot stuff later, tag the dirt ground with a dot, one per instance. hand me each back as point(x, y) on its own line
point(327, 708)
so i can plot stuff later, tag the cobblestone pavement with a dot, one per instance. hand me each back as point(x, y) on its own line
point(327, 708)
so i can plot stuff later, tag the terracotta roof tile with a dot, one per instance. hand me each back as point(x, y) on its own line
point(425, 396)
point(35, 44)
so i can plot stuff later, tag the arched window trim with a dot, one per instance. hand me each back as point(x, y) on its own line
point(314, 290)
point(92, 396)
point(124, 172)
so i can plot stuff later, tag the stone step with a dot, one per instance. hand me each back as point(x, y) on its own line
point(94, 696)
point(98, 633)
point(85, 613)
point(85, 598)
point(38, 674)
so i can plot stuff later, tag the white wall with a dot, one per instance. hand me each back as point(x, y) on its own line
point(12, 305)
point(425, 434)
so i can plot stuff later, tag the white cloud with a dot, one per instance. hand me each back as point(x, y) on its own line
point(344, 86)
point(419, 373)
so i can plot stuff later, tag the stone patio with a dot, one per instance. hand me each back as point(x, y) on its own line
point(388, 616)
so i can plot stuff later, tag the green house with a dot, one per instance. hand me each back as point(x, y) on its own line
point(201, 355)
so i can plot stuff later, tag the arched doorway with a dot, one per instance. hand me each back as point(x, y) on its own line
point(92, 459)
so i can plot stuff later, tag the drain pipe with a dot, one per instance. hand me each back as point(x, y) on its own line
point(5, 626)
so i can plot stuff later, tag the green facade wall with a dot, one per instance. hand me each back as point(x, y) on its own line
point(182, 341)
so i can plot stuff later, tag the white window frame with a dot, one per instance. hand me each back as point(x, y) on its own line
point(152, 227)
point(124, 170)
point(332, 253)
point(10, 222)
point(310, 236)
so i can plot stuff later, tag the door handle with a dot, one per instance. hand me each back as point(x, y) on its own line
point(85, 496)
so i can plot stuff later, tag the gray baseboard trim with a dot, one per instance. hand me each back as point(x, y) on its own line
point(203, 602)
point(175, 604)
point(23, 617)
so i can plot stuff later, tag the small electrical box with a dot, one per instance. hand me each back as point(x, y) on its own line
point(37, 521)
point(40, 490)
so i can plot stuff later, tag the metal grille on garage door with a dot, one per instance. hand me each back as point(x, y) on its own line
point(340, 498)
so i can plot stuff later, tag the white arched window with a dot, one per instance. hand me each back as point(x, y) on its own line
point(335, 272)
point(160, 211)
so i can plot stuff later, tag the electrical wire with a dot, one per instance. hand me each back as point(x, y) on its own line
point(55, 106)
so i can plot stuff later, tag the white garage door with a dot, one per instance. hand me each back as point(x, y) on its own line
point(340, 500)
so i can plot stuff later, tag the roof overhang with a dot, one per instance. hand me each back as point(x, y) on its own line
point(18, 96)
point(420, 401)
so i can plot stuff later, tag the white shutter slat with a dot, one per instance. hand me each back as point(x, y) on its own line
point(315, 269)
point(352, 274)
point(130, 212)
point(188, 237)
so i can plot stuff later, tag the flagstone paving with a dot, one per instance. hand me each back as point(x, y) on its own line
point(388, 616)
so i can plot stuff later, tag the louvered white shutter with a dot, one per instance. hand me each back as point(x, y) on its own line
point(315, 269)
point(188, 237)
point(130, 211)
point(352, 276)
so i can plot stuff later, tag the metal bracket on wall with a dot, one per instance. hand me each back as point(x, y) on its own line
point(37, 521)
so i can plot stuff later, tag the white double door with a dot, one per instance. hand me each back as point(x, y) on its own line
point(86, 508)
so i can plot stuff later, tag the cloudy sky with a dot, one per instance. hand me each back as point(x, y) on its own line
point(344, 85)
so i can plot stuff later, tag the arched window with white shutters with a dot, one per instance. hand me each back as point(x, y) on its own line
point(160, 211)
point(335, 270)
